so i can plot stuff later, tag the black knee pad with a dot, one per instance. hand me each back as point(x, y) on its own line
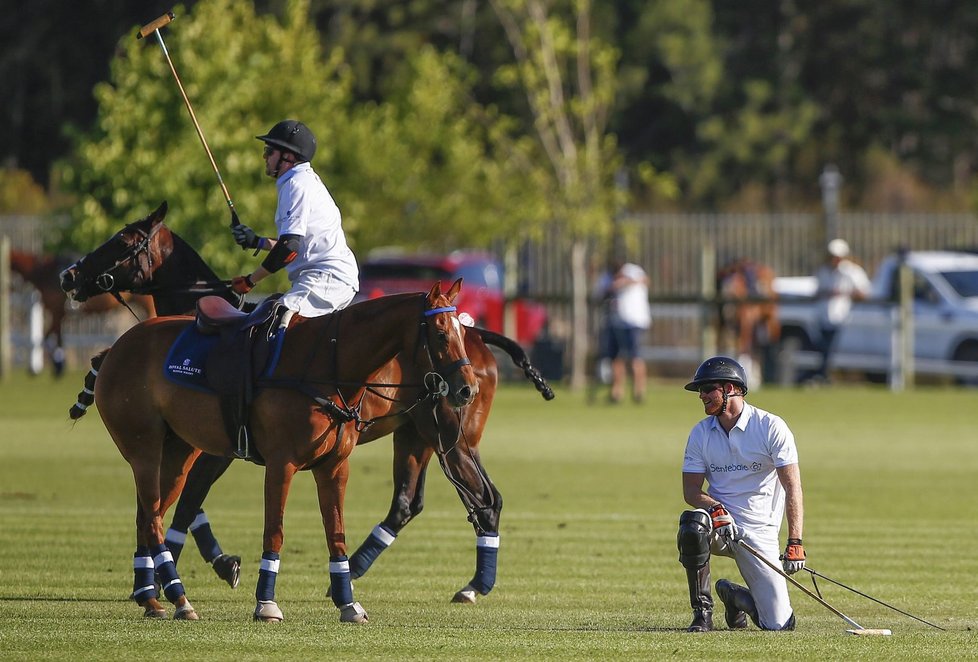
point(693, 538)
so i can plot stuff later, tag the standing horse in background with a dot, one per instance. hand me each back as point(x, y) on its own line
point(748, 315)
point(42, 273)
point(176, 276)
point(306, 414)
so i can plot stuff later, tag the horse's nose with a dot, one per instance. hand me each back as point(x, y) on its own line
point(68, 279)
point(465, 395)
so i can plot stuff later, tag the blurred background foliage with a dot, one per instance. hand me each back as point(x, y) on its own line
point(451, 123)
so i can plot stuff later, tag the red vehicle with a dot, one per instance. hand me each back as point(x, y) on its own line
point(482, 290)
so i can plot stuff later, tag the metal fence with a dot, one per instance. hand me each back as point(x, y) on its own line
point(668, 246)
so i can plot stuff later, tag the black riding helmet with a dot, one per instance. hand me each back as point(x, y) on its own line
point(719, 369)
point(293, 136)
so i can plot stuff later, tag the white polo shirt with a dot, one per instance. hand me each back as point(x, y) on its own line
point(306, 208)
point(741, 467)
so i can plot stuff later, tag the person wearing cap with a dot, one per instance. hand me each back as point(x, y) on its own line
point(311, 245)
point(748, 458)
point(839, 282)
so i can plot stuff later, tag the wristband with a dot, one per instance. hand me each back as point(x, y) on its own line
point(794, 541)
point(251, 284)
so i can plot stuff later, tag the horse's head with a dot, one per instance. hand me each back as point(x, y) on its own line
point(451, 373)
point(124, 263)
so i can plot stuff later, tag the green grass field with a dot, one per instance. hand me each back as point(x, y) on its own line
point(587, 568)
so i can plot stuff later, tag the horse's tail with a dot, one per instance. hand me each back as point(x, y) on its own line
point(87, 395)
point(520, 358)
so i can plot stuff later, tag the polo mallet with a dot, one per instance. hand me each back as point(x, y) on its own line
point(869, 597)
point(154, 28)
point(856, 627)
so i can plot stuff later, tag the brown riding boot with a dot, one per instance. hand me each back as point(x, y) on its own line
point(700, 599)
point(738, 603)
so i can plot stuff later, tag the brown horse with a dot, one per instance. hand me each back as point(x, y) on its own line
point(42, 272)
point(307, 415)
point(748, 316)
point(147, 256)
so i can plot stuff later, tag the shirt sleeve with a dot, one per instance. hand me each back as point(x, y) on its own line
point(693, 460)
point(292, 216)
point(783, 449)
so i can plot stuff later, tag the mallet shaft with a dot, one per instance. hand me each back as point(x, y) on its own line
point(154, 28)
point(151, 27)
point(791, 579)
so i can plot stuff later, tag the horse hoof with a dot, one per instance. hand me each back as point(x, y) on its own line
point(467, 596)
point(153, 609)
point(186, 612)
point(228, 568)
point(267, 611)
point(353, 613)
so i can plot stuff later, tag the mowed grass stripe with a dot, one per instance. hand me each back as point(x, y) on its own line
point(587, 568)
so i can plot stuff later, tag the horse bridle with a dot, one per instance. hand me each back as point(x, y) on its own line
point(436, 381)
point(105, 281)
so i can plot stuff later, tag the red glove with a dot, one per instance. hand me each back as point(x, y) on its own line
point(242, 284)
point(793, 558)
point(723, 523)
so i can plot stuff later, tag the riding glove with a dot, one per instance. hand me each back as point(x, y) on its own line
point(242, 284)
point(245, 236)
point(793, 558)
point(723, 523)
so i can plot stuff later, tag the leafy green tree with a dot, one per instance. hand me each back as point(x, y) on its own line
point(568, 78)
point(242, 73)
point(430, 167)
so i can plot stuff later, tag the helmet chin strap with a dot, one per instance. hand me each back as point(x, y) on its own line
point(281, 160)
point(726, 400)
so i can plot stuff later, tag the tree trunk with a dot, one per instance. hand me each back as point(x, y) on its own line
point(580, 331)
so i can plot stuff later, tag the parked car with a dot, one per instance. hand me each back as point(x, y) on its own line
point(944, 309)
point(481, 297)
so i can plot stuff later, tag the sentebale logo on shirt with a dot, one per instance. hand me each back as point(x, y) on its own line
point(727, 468)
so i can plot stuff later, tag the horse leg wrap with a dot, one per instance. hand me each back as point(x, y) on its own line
point(267, 574)
point(86, 397)
point(143, 586)
point(341, 589)
point(486, 551)
point(167, 571)
point(204, 537)
point(174, 541)
point(379, 539)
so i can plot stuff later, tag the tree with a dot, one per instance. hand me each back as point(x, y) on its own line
point(427, 166)
point(242, 73)
point(568, 77)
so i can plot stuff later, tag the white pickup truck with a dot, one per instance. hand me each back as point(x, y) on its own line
point(944, 320)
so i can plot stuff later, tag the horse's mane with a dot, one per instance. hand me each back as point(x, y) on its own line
point(190, 261)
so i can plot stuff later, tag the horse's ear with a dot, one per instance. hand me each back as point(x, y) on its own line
point(434, 292)
point(160, 212)
point(456, 287)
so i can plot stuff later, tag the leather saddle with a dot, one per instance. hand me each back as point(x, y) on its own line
point(238, 359)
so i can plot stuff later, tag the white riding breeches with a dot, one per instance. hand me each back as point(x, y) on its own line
point(768, 588)
point(314, 293)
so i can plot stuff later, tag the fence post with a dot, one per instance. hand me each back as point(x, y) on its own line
point(5, 342)
point(708, 293)
point(902, 339)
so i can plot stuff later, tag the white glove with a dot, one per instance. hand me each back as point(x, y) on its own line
point(793, 558)
point(723, 523)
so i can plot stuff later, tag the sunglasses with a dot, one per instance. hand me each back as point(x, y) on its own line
point(708, 388)
point(269, 150)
